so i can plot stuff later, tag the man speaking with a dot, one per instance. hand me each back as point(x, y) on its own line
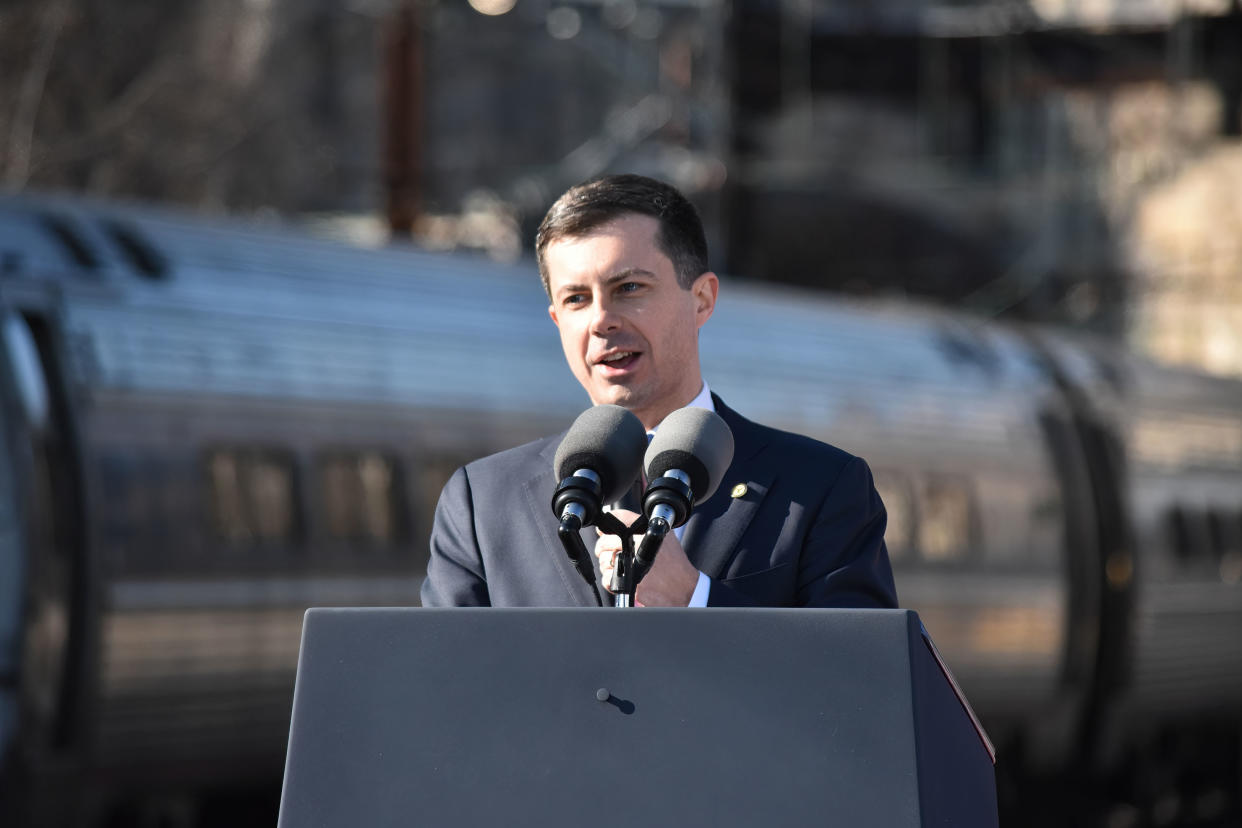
point(793, 522)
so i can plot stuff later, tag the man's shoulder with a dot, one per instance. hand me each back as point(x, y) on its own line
point(804, 445)
point(524, 457)
point(797, 448)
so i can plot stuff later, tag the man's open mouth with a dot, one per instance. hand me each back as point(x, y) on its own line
point(618, 361)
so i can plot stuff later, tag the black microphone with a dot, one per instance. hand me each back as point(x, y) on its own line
point(596, 463)
point(685, 463)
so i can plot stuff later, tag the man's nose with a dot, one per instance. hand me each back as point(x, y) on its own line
point(605, 318)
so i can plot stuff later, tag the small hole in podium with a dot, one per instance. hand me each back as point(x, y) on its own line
point(626, 707)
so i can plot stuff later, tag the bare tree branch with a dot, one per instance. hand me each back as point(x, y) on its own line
point(21, 132)
point(115, 116)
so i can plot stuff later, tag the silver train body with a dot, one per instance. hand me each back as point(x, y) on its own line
point(208, 428)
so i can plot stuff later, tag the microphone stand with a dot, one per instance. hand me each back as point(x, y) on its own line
point(630, 567)
point(633, 564)
point(624, 581)
point(668, 500)
point(667, 495)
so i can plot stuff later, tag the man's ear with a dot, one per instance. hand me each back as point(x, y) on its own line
point(552, 313)
point(705, 289)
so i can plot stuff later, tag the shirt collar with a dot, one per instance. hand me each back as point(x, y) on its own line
point(703, 400)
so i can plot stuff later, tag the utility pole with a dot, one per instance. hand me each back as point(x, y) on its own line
point(401, 104)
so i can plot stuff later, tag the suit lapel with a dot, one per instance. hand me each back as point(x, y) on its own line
point(716, 527)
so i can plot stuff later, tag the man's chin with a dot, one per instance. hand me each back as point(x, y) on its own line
point(616, 395)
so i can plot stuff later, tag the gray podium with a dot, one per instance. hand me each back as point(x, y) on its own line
point(567, 717)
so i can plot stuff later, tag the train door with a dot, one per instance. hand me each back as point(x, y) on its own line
point(41, 532)
point(12, 571)
point(1102, 580)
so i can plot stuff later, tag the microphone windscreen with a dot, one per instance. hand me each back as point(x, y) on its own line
point(608, 440)
point(696, 441)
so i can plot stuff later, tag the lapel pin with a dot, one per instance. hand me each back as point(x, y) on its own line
point(738, 491)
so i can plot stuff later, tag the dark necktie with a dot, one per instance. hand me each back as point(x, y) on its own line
point(632, 499)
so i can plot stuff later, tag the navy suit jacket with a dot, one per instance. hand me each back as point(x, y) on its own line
point(807, 532)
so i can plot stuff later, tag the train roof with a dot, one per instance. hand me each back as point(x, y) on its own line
point(170, 302)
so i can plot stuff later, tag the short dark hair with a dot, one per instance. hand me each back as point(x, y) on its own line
point(598, 201)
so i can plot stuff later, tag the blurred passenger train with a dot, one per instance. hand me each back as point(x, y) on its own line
point(207, 428)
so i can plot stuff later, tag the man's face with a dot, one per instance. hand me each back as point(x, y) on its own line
point(629, 331)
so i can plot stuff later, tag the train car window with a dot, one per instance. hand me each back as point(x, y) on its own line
point(1183, 534)
point(1231, 562)
point(142, 256)
point(946, 515)
point(359, 495)
point(252, 495)
point(63, 230)
point(894, 490)
point(123, 510)
point(1223, 533)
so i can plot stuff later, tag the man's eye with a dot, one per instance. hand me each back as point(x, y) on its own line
point(629, 287)
point(575, 299)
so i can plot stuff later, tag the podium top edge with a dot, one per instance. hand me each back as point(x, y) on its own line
point(794, 611)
